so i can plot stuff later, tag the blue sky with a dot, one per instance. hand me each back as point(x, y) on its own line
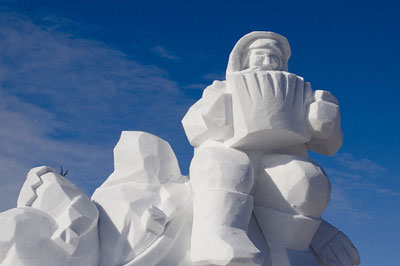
point(73, 74)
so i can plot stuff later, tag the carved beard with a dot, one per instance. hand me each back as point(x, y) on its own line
point(269, 109)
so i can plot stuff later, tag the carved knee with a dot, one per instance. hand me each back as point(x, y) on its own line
point(292, 184)
point(219, 167)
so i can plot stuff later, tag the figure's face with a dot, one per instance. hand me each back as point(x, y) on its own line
point(265, 59)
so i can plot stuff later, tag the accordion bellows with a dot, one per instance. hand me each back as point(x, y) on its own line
point(269, 109)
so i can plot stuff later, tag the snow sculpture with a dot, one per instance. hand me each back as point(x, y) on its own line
point(144, 193)
point(251, 134)
point(253, 196)
point(54, 224)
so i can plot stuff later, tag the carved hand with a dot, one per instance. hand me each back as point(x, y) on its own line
point(323, 114)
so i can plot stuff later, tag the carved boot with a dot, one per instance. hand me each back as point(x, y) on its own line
point(219, 235)
point(222, 179)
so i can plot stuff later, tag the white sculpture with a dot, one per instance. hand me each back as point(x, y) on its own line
point(54, 224)
point(253, 196)
point(143, 194)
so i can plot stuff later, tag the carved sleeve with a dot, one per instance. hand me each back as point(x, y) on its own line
point(210, 118)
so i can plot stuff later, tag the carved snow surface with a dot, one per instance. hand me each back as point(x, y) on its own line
point(253, 197)
point(54, 224)
point(144, 209)
point(324, 121)
point(276, 118)
point(329, 243)
point(145, 191)
point(269, 109)
point(293, 184)
point(290, 195)
point(211, 117)
point(222, 179)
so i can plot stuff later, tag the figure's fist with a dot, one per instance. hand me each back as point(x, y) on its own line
point(323, 114)
point(321, 95)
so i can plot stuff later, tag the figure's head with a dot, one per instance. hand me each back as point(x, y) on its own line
point(263, 54)
point(260, 50)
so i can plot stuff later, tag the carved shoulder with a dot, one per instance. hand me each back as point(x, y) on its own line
point(210, 118)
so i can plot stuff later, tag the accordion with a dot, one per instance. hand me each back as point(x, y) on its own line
point(269, 109)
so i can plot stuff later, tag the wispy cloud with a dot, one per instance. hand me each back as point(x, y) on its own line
point(196, 86)
point(64, 100)
point(354, 182)
point(161, 51)
point(342, 206)
point(363, 165)
point(214, 76)
point(25, 142)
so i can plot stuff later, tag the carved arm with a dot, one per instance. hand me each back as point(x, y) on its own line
point(323, 118)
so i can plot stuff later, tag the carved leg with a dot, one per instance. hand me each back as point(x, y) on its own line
point(222, 178)
point(290, 195)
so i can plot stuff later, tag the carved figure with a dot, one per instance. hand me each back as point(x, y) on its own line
point(253, 196)
point(251, 134)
